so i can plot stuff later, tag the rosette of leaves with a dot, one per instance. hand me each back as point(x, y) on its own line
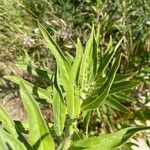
point(80, 84)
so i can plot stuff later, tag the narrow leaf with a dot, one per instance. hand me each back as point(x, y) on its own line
point(13, 142)
point(7, 122)
point(89, 103)
point(72, 94)
point(86, 60)
point(39, 135)
point(43, 73)
point(107, 57)
point(107, 141)
point(124, 77)
point(42, 93)
point(122, 97)
point(3, 144)
point(123, 86)
point(62, 63)
point(59, 108)
point(111, 102)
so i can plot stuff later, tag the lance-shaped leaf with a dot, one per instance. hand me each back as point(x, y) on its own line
point(110, 45)
point(124, 77)
point(37, 71)
point(72, 93)
point(3, 144)
point(39, 135)
point(94, 102)
point(42, 93)
point(9, 125)
point(77, 61)
point(94, 61)
point(107, 57)
point(107, 141)
point(13, 142)
point(62, 63)
point(123, 86)
point(86, 60)
point(122, 97)
point(7, 122)
point(111, 102)
point(59, 108)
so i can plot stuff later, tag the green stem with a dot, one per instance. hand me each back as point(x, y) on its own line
point(68, 136)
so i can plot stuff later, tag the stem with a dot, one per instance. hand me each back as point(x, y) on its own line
point(69, 132)
point(67, 143)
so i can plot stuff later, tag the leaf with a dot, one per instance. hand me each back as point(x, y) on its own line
point(94, 60)
point(39, 135)
point(107, 57)
point(72, 94)
point(43, 73)
point(69, 57)
point(97, 36)
point(123, 86)
point(107, 141)
point(86, 60)
point(122, 98)
point(59, 108)
point(111, 102)
point(62, 63)
point(3, 144)
point(86, 121)
point(77, 61)
point(13, 142)
point(9, 125)
point(92, 103)
point(7, 122)
point(73, 101)
point(110, 45)
point(124, 77)
point(105, 61)
point(42, 93)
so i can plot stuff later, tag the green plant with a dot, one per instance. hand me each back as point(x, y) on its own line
point(80, 85)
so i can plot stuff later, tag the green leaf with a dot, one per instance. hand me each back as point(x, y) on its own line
point(7, 122)
point(107, 141)
point(123, 86)
point(42, 93)
point(105, 61)
point(86, 60)
point(59, 108)
point(97, 34)
point(13, 142)
point(94, 60)
point(69, 57)
point(62, 62)
point(86, 121)
point(72, 94)
point(3, 144)
point(124, 77)
point(107, 57)
point(122, 97)
point(92, 103)
point(39, 135)
point(111, 102)
point(9, 125)
point(73, 101)
point(110, 45)
point(43, 73)
point(77, 61)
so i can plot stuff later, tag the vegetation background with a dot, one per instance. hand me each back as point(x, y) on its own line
point(67, 20)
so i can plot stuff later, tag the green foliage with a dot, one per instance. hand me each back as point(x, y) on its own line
point(80, 85)
point(106, 141)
